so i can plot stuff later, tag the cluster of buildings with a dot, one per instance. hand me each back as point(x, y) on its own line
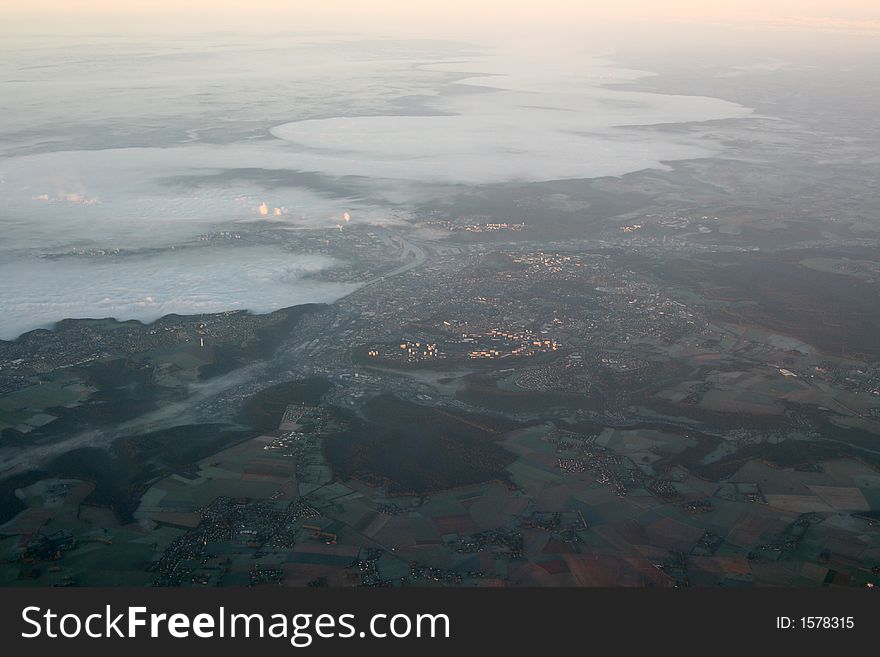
point(503, 343)
point(251, 524)
point(408, 351)
point(476, 225)
point(503, 542)
point(367, 567)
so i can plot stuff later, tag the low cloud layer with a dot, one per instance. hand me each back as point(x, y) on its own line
point(38, 292)
point(144, 148)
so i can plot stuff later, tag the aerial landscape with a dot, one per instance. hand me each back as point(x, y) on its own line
point(316, 306)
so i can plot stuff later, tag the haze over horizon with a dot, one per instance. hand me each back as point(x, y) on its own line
point(852, 18)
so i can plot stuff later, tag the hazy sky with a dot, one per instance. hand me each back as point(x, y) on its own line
point(428, 15)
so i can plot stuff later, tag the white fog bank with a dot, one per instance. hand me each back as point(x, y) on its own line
point(37, 292)
point(134, 146)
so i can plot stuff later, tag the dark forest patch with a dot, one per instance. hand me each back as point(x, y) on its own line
point(229, 356)
point(263, 411)
point(415, 449)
